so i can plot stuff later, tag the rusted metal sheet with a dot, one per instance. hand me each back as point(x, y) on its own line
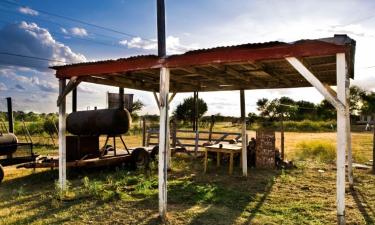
point(97, 122)
point(220, 55)
point(265, 149)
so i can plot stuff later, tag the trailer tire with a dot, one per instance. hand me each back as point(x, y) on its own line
point(154, 153)
point(140, 158)
point(1, 173)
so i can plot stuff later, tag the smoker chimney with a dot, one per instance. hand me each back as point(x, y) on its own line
point(10, 114)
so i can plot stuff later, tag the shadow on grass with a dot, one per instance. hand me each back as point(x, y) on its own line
point(367, 212)
point(223, 199)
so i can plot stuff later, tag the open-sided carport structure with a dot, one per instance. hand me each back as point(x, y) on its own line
point(320, 63)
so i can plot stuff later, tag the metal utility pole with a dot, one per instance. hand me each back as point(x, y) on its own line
point(10, 115)
point(74, 100)
point(162, 52)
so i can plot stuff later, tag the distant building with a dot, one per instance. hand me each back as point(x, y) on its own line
point(366, 118)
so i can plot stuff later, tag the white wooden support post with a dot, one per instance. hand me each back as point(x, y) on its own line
point(342, 136)
point(163, 141)
point(341, 105)
point(244, 136)
point(62, 136)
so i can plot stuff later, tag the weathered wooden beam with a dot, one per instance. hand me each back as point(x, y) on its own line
point(163, 141)
point(315, 82)
point(172, 97)
point(156, 99)
point(62, 136)
point(72, 84)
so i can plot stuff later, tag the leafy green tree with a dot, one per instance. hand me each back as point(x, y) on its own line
point(368, 106)
point(136, 107)
point(274, 109)
point(185, 110)
point(356, 99)
point(325, 111)
point(305, 110)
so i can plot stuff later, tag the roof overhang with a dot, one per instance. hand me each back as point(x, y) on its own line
point(248, 66)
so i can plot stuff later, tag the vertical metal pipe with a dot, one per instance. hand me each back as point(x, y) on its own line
point(121, 96)
point(10, 115)
point(74, 100)
point(162, 52)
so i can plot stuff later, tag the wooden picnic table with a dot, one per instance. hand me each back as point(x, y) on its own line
point(230, 149)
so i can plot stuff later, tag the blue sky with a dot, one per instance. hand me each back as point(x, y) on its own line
point(30, 28)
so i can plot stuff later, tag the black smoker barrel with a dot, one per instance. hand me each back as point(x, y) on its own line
point(97, 122)
point(8, 144)
point(88, 125)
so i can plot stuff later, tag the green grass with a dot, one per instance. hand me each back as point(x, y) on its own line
point(120, 196)
point(300, 196)
point(322, 151)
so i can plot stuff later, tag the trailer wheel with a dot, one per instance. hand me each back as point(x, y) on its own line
point(140, 158)
point(154, 152)
point(1, 173)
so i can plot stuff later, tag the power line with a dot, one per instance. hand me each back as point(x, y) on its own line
point(30, 57)
point(51, 22)
point(75, 37)
point(6, 63)
point(75, 20)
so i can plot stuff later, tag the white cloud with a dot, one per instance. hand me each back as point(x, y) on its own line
point(64, 30)
point(77, 31)
point(174, 46)
point(28, 11)
point(31, 40)
point(3, 87)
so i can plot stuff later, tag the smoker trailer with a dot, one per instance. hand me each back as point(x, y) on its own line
point(13, 152)
point(82, 147)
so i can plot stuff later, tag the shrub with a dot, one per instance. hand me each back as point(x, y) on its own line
point(322, 151)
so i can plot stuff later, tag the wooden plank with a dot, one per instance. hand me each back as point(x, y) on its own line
point(244, 141)
point(316, 83)
point(163, 141)
point(62, 136)
point(72, 84)
point(156, 99)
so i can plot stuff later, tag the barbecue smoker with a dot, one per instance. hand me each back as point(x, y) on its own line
point(11, 150)
point(83, 146)
point(87, 126)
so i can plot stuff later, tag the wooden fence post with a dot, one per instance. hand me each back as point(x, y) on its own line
point(144, 131)
point(244, 140)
